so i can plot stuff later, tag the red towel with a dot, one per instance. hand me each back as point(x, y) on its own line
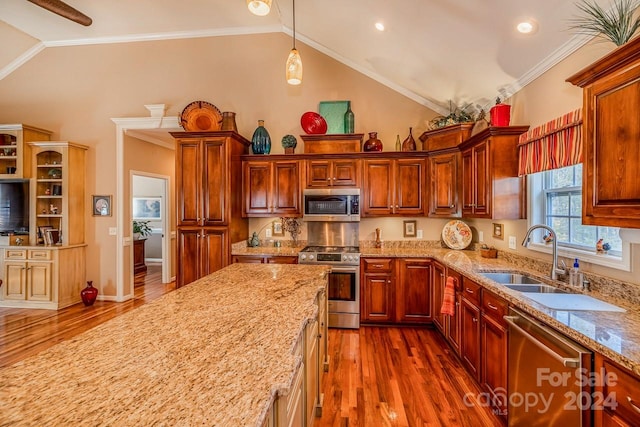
point(448, 302)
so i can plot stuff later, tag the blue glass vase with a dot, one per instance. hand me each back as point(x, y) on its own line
point(261, 141)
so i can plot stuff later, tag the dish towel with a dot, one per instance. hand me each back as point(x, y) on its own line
point(448, 302)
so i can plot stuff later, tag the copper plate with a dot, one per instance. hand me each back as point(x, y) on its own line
point(200, 116)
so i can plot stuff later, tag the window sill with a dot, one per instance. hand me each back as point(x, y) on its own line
point(619, 263)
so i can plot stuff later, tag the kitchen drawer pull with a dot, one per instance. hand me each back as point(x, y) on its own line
point(633, 405)
point(491, 306)
point(566, 361)
point(469, 290)
point(378, 266)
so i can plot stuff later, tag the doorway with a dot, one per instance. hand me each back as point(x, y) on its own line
point(151, 203)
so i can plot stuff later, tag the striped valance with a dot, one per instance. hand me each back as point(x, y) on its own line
point(554, 145)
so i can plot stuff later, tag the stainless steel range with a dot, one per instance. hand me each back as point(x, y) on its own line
point(335, 244)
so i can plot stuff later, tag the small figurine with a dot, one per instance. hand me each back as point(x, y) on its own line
point(47, 191)
point(600, 246)
point(605, 247)
point(254, 241)
point(53, 209)
point(548, 238)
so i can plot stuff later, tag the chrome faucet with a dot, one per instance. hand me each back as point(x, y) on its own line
point(555, 270)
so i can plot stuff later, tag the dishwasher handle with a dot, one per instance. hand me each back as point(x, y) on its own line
point(566, 361)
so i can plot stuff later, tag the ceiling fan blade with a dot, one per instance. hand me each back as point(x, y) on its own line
point(61, 8)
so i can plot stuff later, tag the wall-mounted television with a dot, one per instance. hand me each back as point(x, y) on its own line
point(14, 205)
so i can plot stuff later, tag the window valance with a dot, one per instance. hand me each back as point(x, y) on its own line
point(555, 144)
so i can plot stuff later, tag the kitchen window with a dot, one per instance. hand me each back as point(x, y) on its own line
point(556, 200)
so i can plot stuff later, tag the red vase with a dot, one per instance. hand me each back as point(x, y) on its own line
point(89, 294)
point(373, 143)
point(500, 115)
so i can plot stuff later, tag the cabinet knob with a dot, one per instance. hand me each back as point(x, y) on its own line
point(475, 320)
point(334, 178)
point(396, 206)
point(389, 281)
point(329, 179)
point(453, 206)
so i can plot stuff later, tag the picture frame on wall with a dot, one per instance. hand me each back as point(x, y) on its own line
point(101, 205)
point(277, 229)
point(409, 228)
point(147, 208)
point(498, 231)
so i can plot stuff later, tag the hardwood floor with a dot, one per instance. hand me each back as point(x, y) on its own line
point(397, 377)
point(25, 332)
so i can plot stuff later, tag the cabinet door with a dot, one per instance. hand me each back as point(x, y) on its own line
point(482, 175)
point(494, 362)
point(470, 345)
point(189, 266)
point(438, 282)
point(286, 192)
point(346, 173)
point(311, 364)
point(409, 187)
point(454, 326)
point(468, 182)
point(213, 247)
point(215, 175)
point(376, 305)
point(378, 191)
point(413, 291)
point(188, 182)
point(443, 194)
point(15, 280)
point(257, 187)
point(318, 173)
point(39, 281)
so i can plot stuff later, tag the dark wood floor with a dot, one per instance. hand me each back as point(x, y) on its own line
point(377, 376)
point(25, 332)
point(382, 376)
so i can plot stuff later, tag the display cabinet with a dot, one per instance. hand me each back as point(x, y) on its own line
point(15, 159)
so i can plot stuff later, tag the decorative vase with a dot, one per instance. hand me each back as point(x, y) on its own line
point(254, 240)
point(349, 120)
point(229, 121)
point(398, 143)
point(373, 143)
point(409, 144)
point(261, 141)
point(89, 294)
point(500, 114)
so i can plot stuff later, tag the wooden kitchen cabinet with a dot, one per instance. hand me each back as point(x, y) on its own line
point(333, 173)
point(266, 259)
point(208, 203)
point(272, 187)
point(202, 250)
point(394, 186)
point(15, 154)
point(453, 324)
point(377, 290)
point(621, 389)
point(413, 291)
point(610, 129)
point(491, 187)
point(444, 182)
point(470, 345)
point(438, 282)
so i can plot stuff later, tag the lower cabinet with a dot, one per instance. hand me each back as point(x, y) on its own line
point(265, 259)
point(395, 290)
point(202, 250)
point(49, 278)
point(470, 329)
point(618, 393)
point(438, 282)
point(453, 324)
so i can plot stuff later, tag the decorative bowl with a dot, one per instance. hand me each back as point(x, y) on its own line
point(313, 123)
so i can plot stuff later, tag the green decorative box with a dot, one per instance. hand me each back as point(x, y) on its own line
point(333, 114)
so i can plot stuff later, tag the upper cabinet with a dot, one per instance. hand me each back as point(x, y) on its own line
point(15, 158)
point(393, 186)
point(610, 131)
point(333, 173)
point(444, 180)
point(491, 187)
point(272, 187)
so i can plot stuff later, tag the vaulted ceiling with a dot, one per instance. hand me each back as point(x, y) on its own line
point(433, 51)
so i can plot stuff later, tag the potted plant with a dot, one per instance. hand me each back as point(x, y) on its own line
point(141, 229)
point(289, 143)
point(456, 115)
point(616, 24)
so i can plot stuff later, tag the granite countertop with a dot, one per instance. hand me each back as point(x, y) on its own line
point(615, 335)
point(214, 352)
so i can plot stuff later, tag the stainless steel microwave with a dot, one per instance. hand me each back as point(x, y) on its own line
point(332, 204)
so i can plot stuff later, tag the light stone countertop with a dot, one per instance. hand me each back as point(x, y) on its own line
point(215, 352)
point(615, 335)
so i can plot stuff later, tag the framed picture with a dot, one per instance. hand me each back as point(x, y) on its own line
point(498, 231)
point(101, 205)
point(42, 233)
point(277, 229)
point(147, 208)
point(409, 229)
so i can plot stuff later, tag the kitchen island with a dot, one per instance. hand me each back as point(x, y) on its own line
point(216, 352)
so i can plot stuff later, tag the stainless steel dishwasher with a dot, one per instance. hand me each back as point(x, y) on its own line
point(548, 376)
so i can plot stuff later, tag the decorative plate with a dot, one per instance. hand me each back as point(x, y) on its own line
point(313, 123)
point(201, 116)
point(456, 234)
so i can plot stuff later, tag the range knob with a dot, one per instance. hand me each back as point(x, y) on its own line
point(303, 257)
point(311, 256)
point(344, 257)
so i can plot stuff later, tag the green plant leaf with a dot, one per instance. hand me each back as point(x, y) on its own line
point(616, 24)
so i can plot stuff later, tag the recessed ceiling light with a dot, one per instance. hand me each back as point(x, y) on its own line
point(379, 26)
point(527, 27)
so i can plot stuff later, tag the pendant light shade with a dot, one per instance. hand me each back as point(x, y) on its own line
point(293, 67)
point(259, 7)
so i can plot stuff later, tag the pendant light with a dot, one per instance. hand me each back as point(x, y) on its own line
point(294, 62)
point(259, 7)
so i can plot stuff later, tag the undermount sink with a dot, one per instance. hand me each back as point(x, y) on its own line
point(506, 278)
point(538, 289)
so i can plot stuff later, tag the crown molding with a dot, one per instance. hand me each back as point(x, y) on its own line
point(21, 60)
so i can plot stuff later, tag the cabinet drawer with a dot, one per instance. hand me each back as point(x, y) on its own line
point(471, 290)
point(39, 254)
point(494, 306)
point(626, 389)
point(15, 254)
point(373, 265)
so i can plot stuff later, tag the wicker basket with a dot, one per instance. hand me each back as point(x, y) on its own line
point(489, 253)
